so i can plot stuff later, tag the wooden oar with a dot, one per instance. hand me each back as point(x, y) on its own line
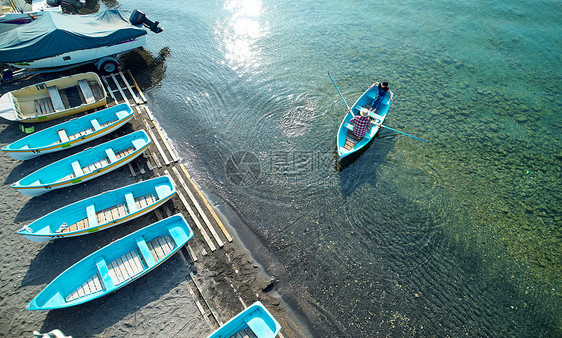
point(401, 132)
point(349, 109)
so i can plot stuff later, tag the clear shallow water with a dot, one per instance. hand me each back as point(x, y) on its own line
point(458, 236)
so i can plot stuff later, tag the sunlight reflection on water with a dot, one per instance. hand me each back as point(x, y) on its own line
point(240, 31)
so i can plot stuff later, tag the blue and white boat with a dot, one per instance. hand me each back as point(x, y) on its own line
point(115, 265)
point(71, 133)
point(102, 211)
point(85, 165)
point(347, 142)
point(62, 40)
point(254, 321)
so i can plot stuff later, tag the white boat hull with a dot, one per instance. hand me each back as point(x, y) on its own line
point(82, 56)
point(32, 192)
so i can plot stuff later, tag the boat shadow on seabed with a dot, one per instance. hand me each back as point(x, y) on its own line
point(361, 166)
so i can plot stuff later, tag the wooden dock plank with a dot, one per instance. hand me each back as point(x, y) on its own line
point(136, 86)
point(135, 98)
point(164, 139)
point(156, 143)
point(109, 90)
point(196, 220)
point(209, 207)
point(198, 207)
point(125, 98)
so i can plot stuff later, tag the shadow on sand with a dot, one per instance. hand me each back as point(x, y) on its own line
point(95, 316)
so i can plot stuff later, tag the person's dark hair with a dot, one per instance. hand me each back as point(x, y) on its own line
point(385, 84)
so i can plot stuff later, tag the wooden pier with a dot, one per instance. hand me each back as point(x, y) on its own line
point(162, 159)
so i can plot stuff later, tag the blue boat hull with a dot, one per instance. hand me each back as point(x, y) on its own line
point(347, 143)
point(255, 318)
point(102, 211)
point(115, 265)
point(71, 133)
point(85, 165)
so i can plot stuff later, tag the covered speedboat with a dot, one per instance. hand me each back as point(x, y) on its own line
point(59, 40)
point(20, 12)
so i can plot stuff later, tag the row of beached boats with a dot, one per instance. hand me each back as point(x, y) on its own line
point(131, 257)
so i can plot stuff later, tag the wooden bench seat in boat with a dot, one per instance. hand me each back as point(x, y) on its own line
point(77, 169)
point(160, 247)
point(111, 155)
point(55, 98)
point(95, 165)
point(258, 325)
point(349, 126)
point(44, 106)
point(95, 124)
point(63, 136)
point(112, 213)
point(86, 91)
point(126, 267)
point(131, 206)
point(145, 200)
point(81, 133)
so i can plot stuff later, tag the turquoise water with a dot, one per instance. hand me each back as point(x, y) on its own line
point(460, 236)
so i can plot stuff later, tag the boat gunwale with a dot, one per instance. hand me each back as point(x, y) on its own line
point(147, 230)
point(99, 227)
point(370, 134)
point(20, 117)
point(90, 175)
point(115, 125)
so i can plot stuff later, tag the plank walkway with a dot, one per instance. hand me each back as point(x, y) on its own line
point(161, 158)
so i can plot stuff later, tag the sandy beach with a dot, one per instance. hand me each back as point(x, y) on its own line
point(158, 304)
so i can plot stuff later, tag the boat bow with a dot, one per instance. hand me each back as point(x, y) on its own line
point(7, 109)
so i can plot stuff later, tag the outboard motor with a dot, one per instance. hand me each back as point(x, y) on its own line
point(138, 17)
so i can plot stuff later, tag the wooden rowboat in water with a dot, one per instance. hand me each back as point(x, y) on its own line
point(347, 142)
point(71, 133)
point(85, 165)
point(102, 211)
point(115, 265)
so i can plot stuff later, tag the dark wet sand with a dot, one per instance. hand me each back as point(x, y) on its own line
point(158, 304)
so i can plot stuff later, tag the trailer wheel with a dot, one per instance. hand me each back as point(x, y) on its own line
point(109, 66)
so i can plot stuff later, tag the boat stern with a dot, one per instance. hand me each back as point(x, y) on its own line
point(7, 107)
